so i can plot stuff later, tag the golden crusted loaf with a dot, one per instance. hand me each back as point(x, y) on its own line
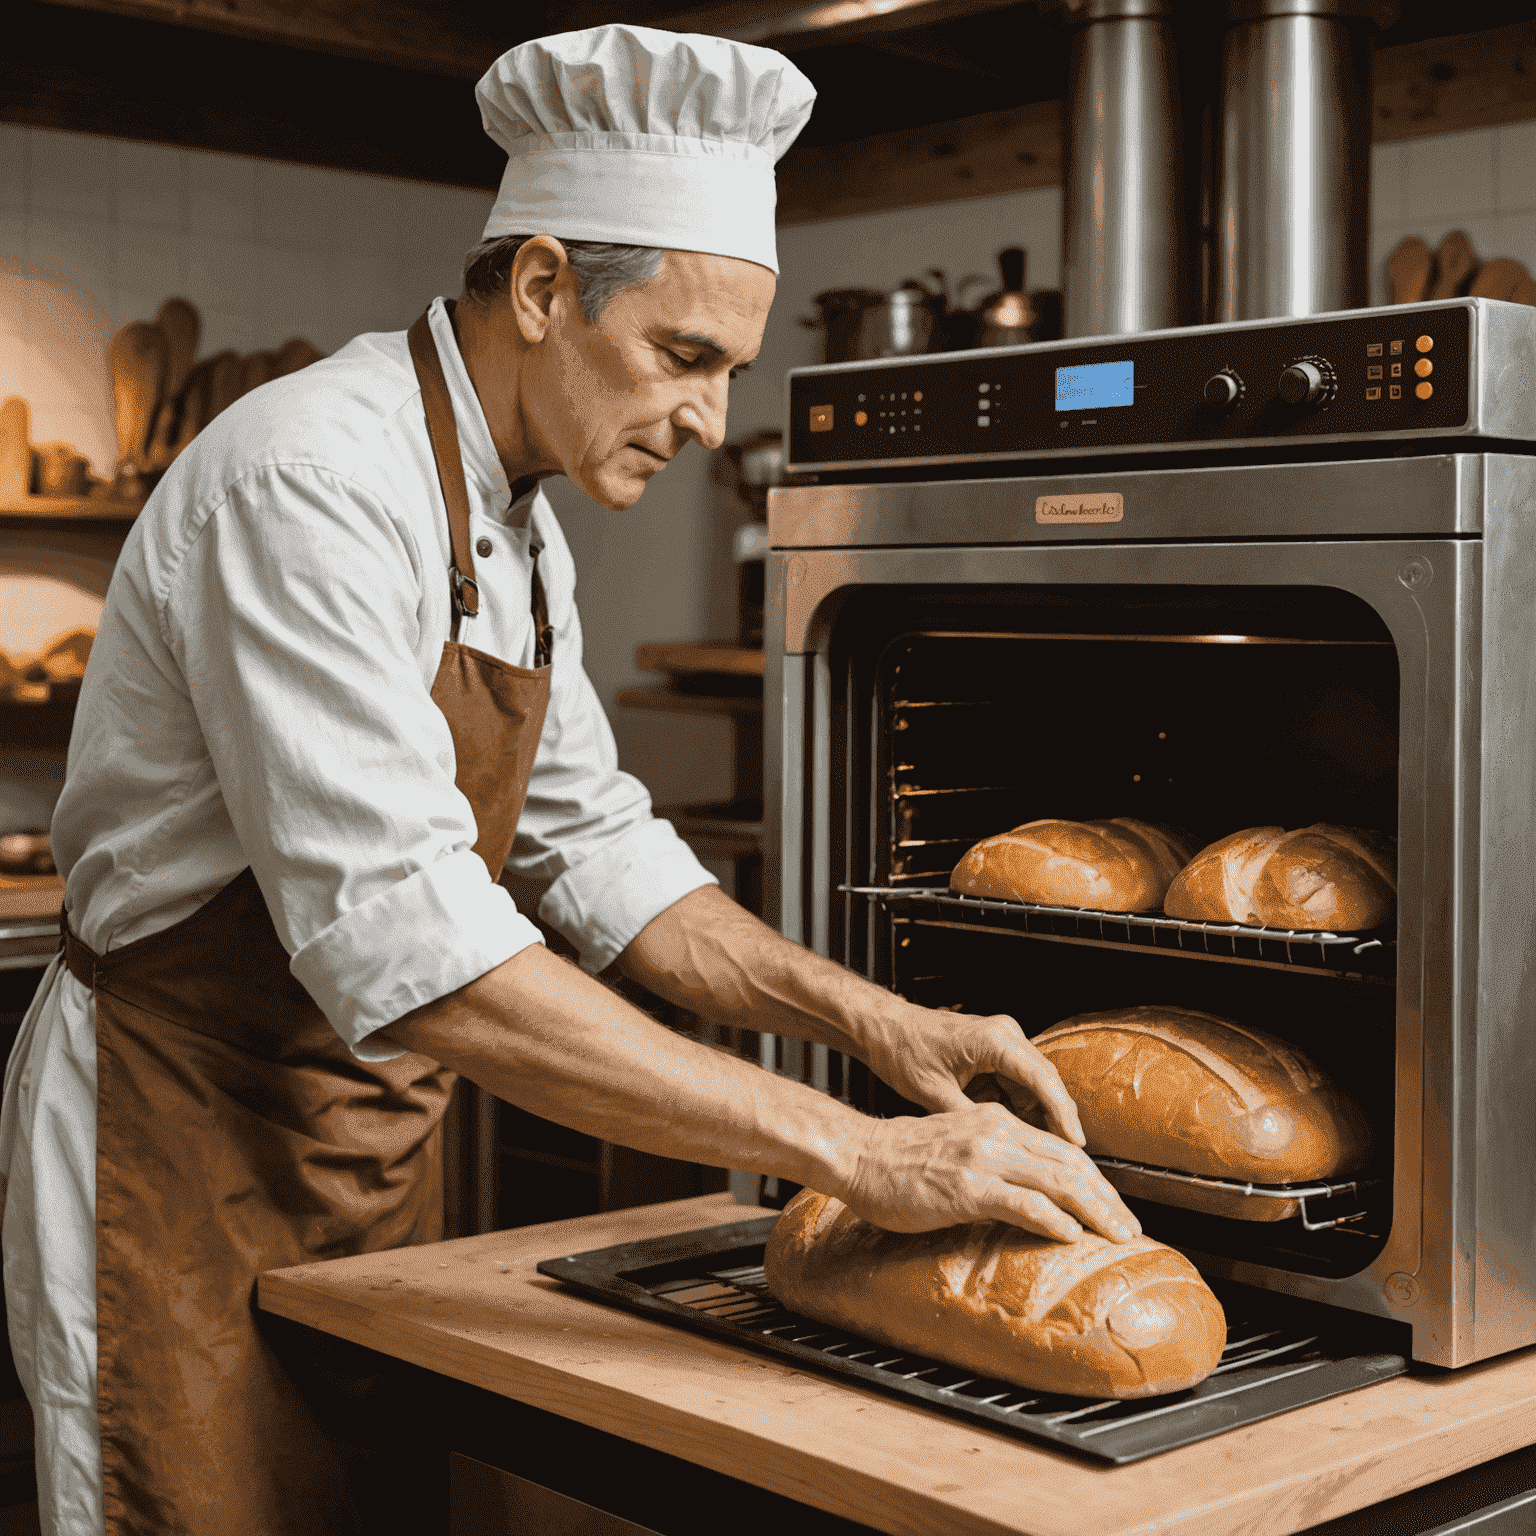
point(1089, 1319)
point(1321, 877)
point(1189, 1091)
point(1109, 866)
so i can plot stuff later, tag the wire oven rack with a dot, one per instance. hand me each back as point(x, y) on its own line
point(1369, 956)
point(1280, 1354)
point(1283, 1200)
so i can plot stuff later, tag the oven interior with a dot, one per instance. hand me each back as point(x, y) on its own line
point(960, 713)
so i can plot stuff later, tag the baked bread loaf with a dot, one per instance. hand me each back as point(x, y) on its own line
point(1202, 1095)
point(1089, 1319)
point(1321, 877)
point(1109, 866)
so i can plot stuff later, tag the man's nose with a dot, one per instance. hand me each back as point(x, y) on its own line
point(702, 415)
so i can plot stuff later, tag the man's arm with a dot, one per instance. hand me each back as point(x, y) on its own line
point(541, 1034)
point(710, 955)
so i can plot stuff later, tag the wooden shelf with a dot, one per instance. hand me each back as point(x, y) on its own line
point(72, 509)
point(40, 897)
point(695, 656)
point(666, 701)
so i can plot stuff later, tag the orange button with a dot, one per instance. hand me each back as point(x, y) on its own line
point(1425, 343)
point(1423, 367)
point(821, 418)
point(1424, 390)
point(917, 394)
point(860, 418)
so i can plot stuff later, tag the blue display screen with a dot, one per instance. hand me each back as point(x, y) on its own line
point(1092, 386)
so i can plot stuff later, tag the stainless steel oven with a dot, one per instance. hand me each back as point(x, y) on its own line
point(1223, 576)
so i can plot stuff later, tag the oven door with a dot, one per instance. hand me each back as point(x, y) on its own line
point(1217, 649)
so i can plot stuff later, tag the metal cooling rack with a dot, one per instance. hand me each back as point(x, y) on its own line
point(1279, 1355)
point(1373, 956)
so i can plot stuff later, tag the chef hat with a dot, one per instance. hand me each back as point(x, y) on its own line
point(638, 137)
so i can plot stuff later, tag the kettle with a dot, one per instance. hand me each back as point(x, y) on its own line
point(1007, 318)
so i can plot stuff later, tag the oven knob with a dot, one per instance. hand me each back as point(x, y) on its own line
point(1306, 383)
point(1223, 390)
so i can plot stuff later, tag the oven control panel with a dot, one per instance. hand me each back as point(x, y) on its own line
point(1399, 371)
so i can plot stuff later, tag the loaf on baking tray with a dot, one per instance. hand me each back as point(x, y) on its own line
point(1089, 1319)
point(1109, 866)
point(1322, 877)
point(1202, 1095)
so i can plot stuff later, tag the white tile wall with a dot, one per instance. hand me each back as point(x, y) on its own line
point(1482, 182)
point(95, 232)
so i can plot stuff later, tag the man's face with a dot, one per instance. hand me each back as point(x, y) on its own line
point(612, 403)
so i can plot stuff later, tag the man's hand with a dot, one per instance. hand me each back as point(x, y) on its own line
point(981, 1163)
point(950, 1060)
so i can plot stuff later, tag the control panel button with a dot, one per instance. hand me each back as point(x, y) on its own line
point(1223, 390)
point(1425, 343)
point(1423, 367)
point(1306, 383)
point(1424, 390)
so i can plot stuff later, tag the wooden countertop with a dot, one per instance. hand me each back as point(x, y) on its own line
point(475, 1309)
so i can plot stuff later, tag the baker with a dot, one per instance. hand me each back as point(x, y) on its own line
point(336, 690)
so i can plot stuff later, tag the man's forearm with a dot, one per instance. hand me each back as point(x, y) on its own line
point(540, 1034)
point(709, 954)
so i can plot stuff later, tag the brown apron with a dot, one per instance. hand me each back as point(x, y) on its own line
point(236, 1133)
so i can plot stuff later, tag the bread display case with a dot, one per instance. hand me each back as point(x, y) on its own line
point(1269, 615)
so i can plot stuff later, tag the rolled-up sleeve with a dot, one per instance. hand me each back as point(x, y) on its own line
point(293, 617)
point(602, 864)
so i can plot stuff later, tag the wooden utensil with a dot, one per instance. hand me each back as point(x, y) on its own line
point(195, 403)
point(162, 437)
point(226, 382)
point(258, 369)
point(294, 354)
point(182, 327)
point(1499, 279)
point(1411, 267)
point(1455, 266)
point(15, 450)
point(137, 355)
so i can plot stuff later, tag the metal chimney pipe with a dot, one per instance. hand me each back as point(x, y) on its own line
point(1123, 214)
point(1293, 212)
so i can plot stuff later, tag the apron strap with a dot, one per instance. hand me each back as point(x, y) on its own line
point(450, 466)
point(444, 434)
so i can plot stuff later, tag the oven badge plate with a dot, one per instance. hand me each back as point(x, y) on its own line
point(1100, 507)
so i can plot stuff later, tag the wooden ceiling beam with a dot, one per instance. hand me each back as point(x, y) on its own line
point(409, 34)
point(825, 22)
point(1479, 80)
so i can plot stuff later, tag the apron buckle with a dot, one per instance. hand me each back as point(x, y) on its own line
point(466, 605)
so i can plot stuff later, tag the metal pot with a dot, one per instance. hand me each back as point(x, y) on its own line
point(863, 323)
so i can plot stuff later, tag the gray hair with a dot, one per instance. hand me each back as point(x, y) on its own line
point(603, 272)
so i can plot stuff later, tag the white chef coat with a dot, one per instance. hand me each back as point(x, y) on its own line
point(259, 694)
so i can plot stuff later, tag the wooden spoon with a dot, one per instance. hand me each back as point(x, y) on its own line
point(1411, 268)
point(1499, 279)
point(259, 368)
point(182, 327)
point(295, 354)
point(226, 382)
point(137, 355)
point(194, 403)
point(1456, 267)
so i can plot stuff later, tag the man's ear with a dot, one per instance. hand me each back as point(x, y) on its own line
point(539, 270)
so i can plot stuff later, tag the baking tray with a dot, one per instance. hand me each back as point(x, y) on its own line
point(1281, 1354)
